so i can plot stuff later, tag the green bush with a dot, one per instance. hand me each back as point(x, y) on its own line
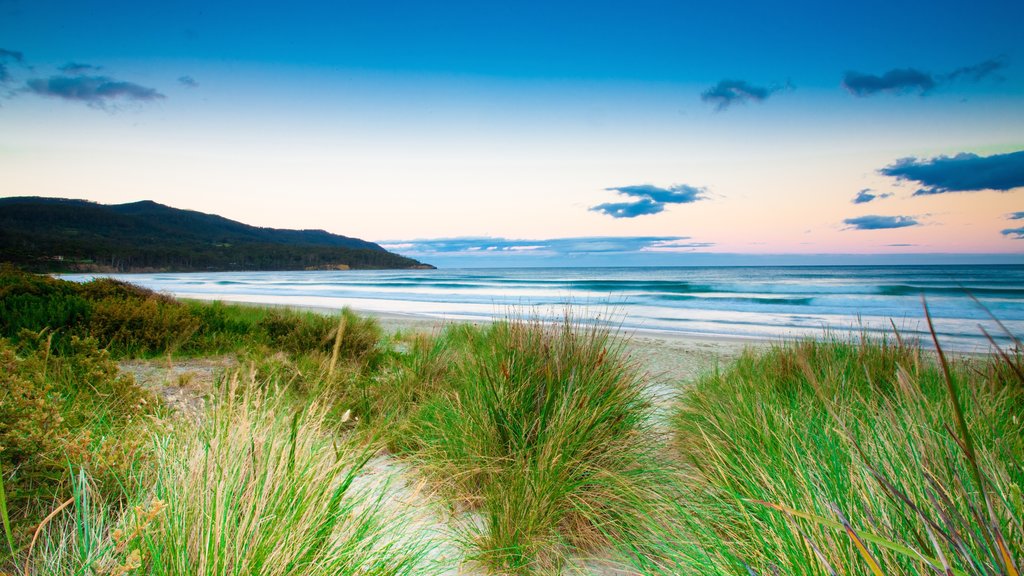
point(141, 326)
point(64, 413)
point(37, 303)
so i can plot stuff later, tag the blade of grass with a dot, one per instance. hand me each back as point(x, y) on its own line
point(865, 536)
point(4, 517)
point(1016, 341)
point(1011, 570)
point(39, 530)
point(1002, 354)
point(872, 563)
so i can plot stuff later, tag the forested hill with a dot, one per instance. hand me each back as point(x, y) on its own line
point(57, 234)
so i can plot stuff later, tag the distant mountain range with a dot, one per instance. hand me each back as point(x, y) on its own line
point(60, 235)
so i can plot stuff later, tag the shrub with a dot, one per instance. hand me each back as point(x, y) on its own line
point(37, 303)
point(141, 326)
point(60, 413)
point(305, 333)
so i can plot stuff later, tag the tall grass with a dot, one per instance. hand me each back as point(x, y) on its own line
point(543, 433)
point(261, 488)
point(835, 457)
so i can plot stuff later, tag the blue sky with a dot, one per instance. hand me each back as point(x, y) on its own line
point(728, 131)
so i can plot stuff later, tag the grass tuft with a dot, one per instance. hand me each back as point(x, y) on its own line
point(544, 434)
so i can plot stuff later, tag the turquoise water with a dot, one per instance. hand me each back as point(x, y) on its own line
point(755, 302)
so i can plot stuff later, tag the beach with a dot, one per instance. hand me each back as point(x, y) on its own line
point(706, 303)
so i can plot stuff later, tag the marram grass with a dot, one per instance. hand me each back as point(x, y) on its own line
point(261, 488)
point(809, 458)
point(843, 458)
point(544, 435)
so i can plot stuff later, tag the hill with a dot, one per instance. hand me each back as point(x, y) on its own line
point(60, 235)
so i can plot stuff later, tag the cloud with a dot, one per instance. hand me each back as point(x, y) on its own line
point(978, 71)
point(911, 80)
point(729, 92)
point(188, 82)
point(1015, 216)
point(586, 245)
point(880, 222)
point(77, 68)
point(649, 199)
point(897, 81)
point(629, 209)
point(866, 195)
point(8, 56)
point(96, 91)
point(964, 172)
point(1015, 233)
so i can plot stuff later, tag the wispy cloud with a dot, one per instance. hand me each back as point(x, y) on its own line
point(964, 172)
point(979, 71)
point(5, 57)
point(1015, 216)
point(77, 68)
point(650, 199)
point(867, 195)
point(874, 222)
point(188, 82)
point(1015, 233)
point(96, 91)
point(729, 92)
point(913, 80)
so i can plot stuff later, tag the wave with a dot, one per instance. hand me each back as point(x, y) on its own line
point(914, 290)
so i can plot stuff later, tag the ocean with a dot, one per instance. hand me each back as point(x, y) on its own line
point(743, 302)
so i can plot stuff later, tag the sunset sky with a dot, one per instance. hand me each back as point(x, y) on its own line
point(490, 133)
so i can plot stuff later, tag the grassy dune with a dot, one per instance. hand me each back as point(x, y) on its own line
point(536, 443)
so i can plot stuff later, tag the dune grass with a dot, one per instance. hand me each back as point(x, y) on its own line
point(833, 457)
point(826, 457)
point(543, 433)
point(262, 487)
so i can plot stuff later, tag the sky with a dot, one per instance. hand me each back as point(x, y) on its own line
point(538, 133)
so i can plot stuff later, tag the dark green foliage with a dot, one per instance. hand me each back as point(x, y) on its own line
point(37, 303)
point(54, 234)
point(128, 320)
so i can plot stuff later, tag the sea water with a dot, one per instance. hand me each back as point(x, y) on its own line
point(743, 302)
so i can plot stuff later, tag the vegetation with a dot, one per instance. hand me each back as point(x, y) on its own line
point(831, 457)
point(260, 489)
point(60, 235)
point(545, 430)
point(537, 441)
